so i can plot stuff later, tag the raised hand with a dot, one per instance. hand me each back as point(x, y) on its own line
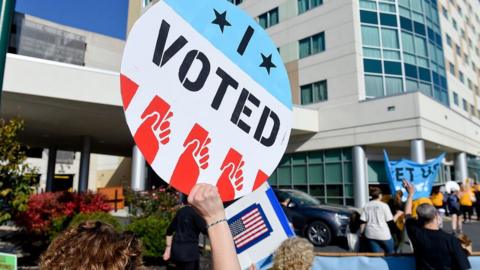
point(193, 159)
point(231, 178)
point(155, 128)
point(409, 187)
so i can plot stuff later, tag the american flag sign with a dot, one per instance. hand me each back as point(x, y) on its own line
point(249, 227)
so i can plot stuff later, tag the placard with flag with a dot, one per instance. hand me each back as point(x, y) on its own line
point(258, 225)
point(249, 227)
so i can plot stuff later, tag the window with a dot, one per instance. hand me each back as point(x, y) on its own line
point(373, 86)
point(370, 36)
point(326, 175)
point(367, 4)
point(235, 2)
point(465, 105)
point(445, 12)
point(449, 40)
point(451, 67)
point(472, 109)
point(459, 51)
point(312, 45)
point(305, 5)
point(389, 38)
point(269, 18)
point(314, 92)
point(454, 23)
point(461, 77)
point(455, 98)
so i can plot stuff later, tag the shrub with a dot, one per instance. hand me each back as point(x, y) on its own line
point(152, 231)
point(49, 213)
point(161, 202)
point(96, 216)
point(17, 179)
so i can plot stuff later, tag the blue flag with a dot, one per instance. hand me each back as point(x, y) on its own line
point(421, 176)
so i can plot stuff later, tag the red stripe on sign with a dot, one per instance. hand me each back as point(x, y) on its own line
point(128, 89)
point(250, 233)
point(246, 241)
point(252, 227)
point(259, 180)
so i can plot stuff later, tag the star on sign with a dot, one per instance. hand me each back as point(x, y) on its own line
point(267, 62)
point(221, 19)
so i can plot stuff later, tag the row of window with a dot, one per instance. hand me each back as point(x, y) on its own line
point(269, 18)
point(461, 77)
point(467, 107)
point(326, 175)
point(314, 92)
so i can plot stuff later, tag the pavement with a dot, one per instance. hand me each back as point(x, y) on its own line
point(472, 230)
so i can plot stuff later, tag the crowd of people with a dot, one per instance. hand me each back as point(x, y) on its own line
point(394, 226)
point(382, 226)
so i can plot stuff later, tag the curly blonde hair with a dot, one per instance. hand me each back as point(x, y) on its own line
point(294, 254)
point(93, 245)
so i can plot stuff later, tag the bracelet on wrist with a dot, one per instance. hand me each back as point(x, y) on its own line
point(216, 222)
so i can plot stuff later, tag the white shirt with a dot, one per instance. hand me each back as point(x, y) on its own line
point(376, 214)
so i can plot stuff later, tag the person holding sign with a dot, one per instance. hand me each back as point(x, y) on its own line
point(433, 248)
point(207, 202)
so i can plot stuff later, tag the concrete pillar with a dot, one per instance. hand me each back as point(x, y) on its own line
point(360, 183)
point(417, 151)
point(138, 170)
point(461, 171)
point(84, 165)
point(52, 161)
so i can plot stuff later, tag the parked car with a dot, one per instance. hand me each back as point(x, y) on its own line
point(319, 223)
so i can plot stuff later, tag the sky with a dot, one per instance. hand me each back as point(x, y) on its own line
point(107, 17)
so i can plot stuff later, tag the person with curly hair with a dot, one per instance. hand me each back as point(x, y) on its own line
point(294, 253)
point(93, 245)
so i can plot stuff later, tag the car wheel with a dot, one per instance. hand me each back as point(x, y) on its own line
point(318, 233)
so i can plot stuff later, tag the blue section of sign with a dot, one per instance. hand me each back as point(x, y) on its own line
point(279, 212)
point(421, 176)
point(201, 14)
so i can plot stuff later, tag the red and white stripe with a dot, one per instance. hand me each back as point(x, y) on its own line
point(254, 227)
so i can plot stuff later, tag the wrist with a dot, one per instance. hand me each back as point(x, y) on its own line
point(214, 218)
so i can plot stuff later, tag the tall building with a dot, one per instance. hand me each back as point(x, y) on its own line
point(401, 76)
point(366, 76)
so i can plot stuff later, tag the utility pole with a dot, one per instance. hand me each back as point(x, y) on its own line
point(7, 10)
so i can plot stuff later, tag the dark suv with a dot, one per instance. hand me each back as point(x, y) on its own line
point(319, 223)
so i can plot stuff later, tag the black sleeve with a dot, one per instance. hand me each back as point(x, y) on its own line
point(172, 227)
point(412, 227)
point(392, 226)
point(459, 256)
point(200, 223)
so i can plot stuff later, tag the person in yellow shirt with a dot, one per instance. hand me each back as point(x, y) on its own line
point(466, 202)
point(437, 198)
point(418, 202)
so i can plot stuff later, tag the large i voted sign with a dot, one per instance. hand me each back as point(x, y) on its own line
point(206, 96)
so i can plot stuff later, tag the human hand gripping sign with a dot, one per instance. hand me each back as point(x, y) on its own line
point(231, 178)
point(193, 159)
point(155, 128)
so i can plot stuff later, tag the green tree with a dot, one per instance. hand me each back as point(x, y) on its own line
point(17, 179)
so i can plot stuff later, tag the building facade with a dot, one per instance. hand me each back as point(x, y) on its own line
point(366, 76)
point(389, 75)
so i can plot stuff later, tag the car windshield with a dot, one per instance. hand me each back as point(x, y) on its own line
point(303, 198)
